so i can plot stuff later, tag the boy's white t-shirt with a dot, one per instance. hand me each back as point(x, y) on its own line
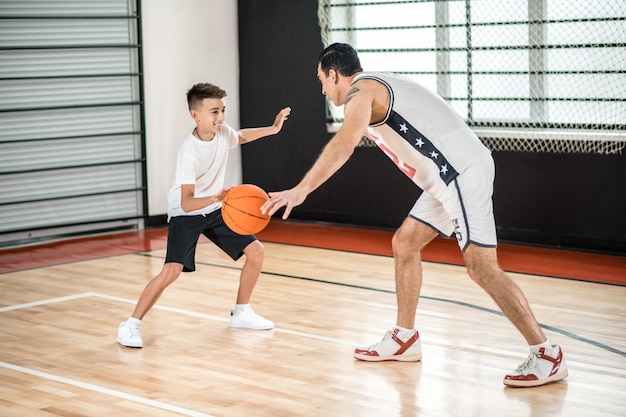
point(202, 163)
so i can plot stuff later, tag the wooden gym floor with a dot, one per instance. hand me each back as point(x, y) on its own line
point(328, 289)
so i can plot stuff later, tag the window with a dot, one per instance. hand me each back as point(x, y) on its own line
point(539, 70)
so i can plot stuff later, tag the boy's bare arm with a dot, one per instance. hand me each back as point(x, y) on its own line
point(252, 134)
point(188, 202)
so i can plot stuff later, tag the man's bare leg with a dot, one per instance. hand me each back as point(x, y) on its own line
point(398, 344)
point(407, 243)
point(482, 266)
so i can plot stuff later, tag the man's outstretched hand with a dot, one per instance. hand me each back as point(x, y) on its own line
point(288, 199)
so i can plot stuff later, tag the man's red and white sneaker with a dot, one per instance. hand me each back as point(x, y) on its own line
point(397, 345)
point(539, 369)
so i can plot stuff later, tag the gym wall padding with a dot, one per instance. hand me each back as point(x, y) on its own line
point(559, 200)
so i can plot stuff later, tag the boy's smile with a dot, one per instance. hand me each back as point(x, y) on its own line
point(209, 118)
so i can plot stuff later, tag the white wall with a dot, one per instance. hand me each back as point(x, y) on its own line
point(185, 42)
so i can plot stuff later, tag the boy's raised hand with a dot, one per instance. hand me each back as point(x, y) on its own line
point(281, 117)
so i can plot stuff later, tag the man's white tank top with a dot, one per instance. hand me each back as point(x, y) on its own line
point(423, 134)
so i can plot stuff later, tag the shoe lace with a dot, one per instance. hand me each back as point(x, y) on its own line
point(375, 345)
point(258, 317)
point(134, 331)
point(250, 315)
point(528, 364)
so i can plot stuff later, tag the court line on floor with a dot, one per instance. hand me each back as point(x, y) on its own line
point(106, 391)
point(116, 393)
point(563, 332)
point(86, 385)
point(426, 341)
point(223, 319)
point(164, 308)
point(47, 301)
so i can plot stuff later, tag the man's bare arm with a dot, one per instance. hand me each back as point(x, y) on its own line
point(357, 114)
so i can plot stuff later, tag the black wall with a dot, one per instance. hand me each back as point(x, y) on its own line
point(561, 200)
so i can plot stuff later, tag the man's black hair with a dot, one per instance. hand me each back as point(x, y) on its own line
point(340, 57)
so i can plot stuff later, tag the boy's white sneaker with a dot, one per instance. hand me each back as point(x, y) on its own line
point(248, 319)
point(128, 335)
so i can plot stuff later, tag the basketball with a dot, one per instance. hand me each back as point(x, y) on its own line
point(241, 209)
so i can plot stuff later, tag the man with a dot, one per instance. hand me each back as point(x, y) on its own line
point(434, 147)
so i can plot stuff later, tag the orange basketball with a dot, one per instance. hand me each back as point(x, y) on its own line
point(241, 209)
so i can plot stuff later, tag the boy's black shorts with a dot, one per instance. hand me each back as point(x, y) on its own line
point(183, 233)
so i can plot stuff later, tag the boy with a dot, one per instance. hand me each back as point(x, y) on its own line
point(194, 203)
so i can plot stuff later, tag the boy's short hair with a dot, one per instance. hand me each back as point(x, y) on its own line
point(200, 91)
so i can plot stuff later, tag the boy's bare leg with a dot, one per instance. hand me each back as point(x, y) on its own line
point(153, 290)
point(243, 316)
point(255, 254)
point(128, 332)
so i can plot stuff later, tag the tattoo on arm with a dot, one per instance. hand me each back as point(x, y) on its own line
point(353, 91)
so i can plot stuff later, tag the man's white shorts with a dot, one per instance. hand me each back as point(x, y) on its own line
point(465, 208)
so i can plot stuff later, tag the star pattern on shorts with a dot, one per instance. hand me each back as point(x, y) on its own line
point(403, 128)
point(419, 142)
